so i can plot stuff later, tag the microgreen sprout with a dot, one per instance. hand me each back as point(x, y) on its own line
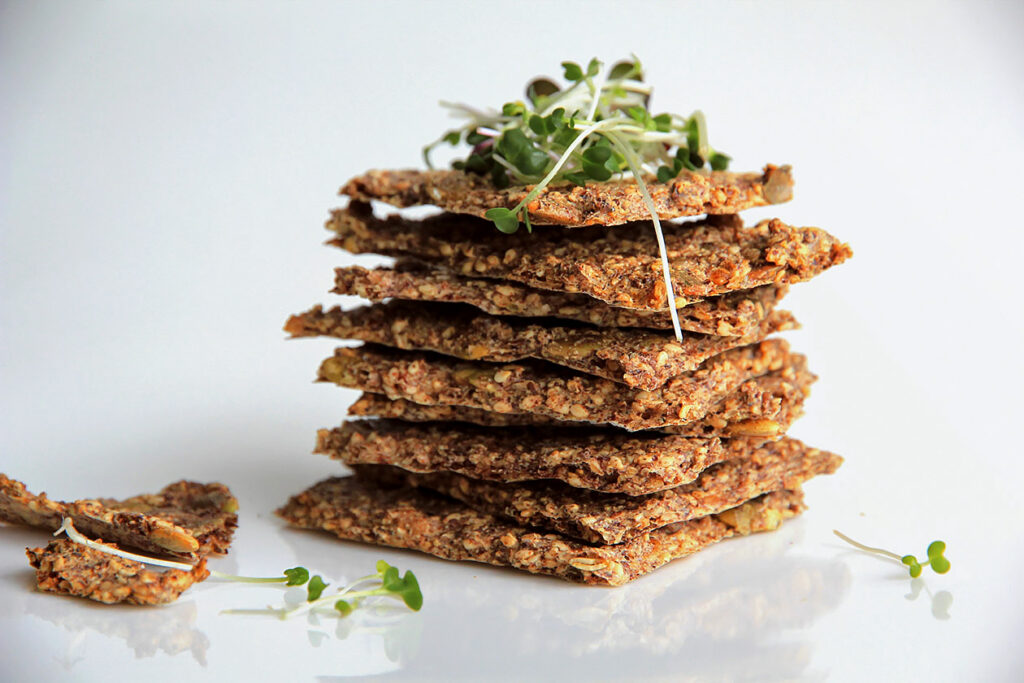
point(596, 128)
point(405, 588)
point(935, 552)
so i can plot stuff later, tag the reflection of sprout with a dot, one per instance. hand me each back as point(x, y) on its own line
point(170, 629)
point(941, 601)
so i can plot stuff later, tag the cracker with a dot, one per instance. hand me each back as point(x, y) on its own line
point(599, 459)
point(756, 468)
point(620, 266)
point(185, 519)
point(70, 568)
point(765, 406)
point(538, 388)
point(606, 203)
point(407, 518)
point(728, 315)
point(638, 358)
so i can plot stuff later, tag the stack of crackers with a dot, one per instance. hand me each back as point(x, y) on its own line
point(526, 402)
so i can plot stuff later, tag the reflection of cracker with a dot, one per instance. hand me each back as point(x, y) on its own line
point(731, 314)
point(599, 459)
point(407, 518)
point(606, 203)
point(620, 266)
point(756, 468)
point(638, 358)
point(764, 406)
point(185, 519)
point(542, 389)
point(70, 568)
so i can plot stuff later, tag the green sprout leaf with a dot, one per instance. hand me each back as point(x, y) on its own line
point(296, 576)
point(935, 556)
point(503, 219)
point(315, 588)
point(719, 161)
point(572, 71)
point(343, 607)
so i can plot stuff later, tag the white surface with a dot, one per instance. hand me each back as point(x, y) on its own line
point(165, 176)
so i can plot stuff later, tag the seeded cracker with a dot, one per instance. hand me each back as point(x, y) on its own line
point(638, 358)
point(408, 518)
point(728, 315)
point(600, 459)
point(67, 567)
point(756, 468)
point(620, 266)
point(542, 389)
point(185, 519)
point(607, 203)
point(765, 406)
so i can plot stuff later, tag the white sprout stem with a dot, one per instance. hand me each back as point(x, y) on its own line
point(598, 88)
point(867, 548)
point(67, 527)
point(665, 270)
point(248, 579)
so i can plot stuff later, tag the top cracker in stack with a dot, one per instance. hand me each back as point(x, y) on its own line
point(531, 404)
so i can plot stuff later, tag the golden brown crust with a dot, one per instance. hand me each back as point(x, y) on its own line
point(754, 468)
point(70, 568)
point(185, 519)
point(620, 266)
point(638, 358)
point(727, 315)
point(407, 518)
point(764, 406)
point(607, 203)
point(542, 389)
point(599, 459)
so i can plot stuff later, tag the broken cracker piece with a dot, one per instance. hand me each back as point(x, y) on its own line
point(185, 519)
point(64, 566)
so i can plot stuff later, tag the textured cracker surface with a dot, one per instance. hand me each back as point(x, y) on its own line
point(600, 459)
point(764, 406)
point(731, 314)
point(408, 518)
point(607, 203)
point(639, 358)
point(757, 467)
point(620, 266)
point(539, 388)
point(70, 568)
point(185, 519)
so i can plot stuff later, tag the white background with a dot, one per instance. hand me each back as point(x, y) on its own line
point(166, 170)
